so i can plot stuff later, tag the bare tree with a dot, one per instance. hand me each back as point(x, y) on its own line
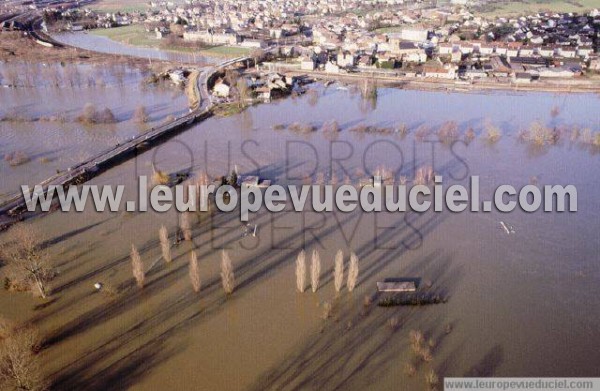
point(338, 271)
point(201, 190)
point(106, 116)
point(227, 277)
point(195, 272)
point(231, 77)
point(28, 264)
point(88, 115)
point(185, 224)
point(243, 92)
point(165, 246)
point(140, 115)
point(315, 270)
point(16, 158)
point(19, 366)
point(137, 267)
point(257, 55)
point(352, 272)
point(493, 133)
point(159, 177)
point(301, 271)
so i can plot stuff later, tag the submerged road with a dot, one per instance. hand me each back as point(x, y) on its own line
point(15, 209)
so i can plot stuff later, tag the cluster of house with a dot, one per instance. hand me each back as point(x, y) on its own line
point(552, 45)
point(447, 40)
point(263, 86)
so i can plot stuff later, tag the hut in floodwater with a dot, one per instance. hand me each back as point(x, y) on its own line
point(396, 286)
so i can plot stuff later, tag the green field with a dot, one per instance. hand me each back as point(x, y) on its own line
point(384, 30)
point(515, 8)
point(132, 35)
point(113, 6)
point(136, 35)
point(226, 51)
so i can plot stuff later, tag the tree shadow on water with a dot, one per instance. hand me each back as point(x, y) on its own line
point(487, 366)
point(120, 373)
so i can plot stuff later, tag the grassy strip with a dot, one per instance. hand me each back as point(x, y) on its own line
point(114, 6)
point(227, 109)
point(528, 7)
point(385, 30)
point(226, 51)
point(136, 35)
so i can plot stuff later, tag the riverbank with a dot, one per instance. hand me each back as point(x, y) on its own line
point(424, 84)
point(15, 47)
point(136, 36)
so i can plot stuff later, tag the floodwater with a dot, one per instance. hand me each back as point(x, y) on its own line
point(520, 304)
point(39, 116)
point(107, 45)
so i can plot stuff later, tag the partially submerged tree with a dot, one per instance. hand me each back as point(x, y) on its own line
point(493, 133)
point(315, 270)
point(244, 92)
point(90, 115)
point(16, 158)
point(227, 277)
point(160, 177)
point(140, 115)
point(232, 179)
point(137, 267)
point(185, 224)
point(194, 272)
point(106, 116)
point(338, 271)
point(27, 263)
point(301, 271)
point(352, 272)
point(331, 126)
point(19, 366)
point(165, 245)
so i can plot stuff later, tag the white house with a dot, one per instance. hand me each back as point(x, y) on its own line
point(254, 43)
point(345, 60)
point(439, 72)
point(307, 64)
point(213, 39)
point(568, 52)
point(486, 48)
point(546, 51)
point(466, 48)
point(584, 51)
point(512, 51)
point(526, 51)
point(501, 50)
point(221, 89)
point(416, 34)
point(445, 48)
point(331, 67)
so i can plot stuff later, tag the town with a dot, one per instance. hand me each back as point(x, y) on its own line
point(251, 195)
point(398, 39)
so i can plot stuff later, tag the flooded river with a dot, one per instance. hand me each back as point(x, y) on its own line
point(107, 45)
point(39, 114)
point(519, 304)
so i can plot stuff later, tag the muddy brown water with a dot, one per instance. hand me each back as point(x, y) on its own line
point(39, 115)
point(523, 304)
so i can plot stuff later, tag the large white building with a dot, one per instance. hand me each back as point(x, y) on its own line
point(211, 38)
